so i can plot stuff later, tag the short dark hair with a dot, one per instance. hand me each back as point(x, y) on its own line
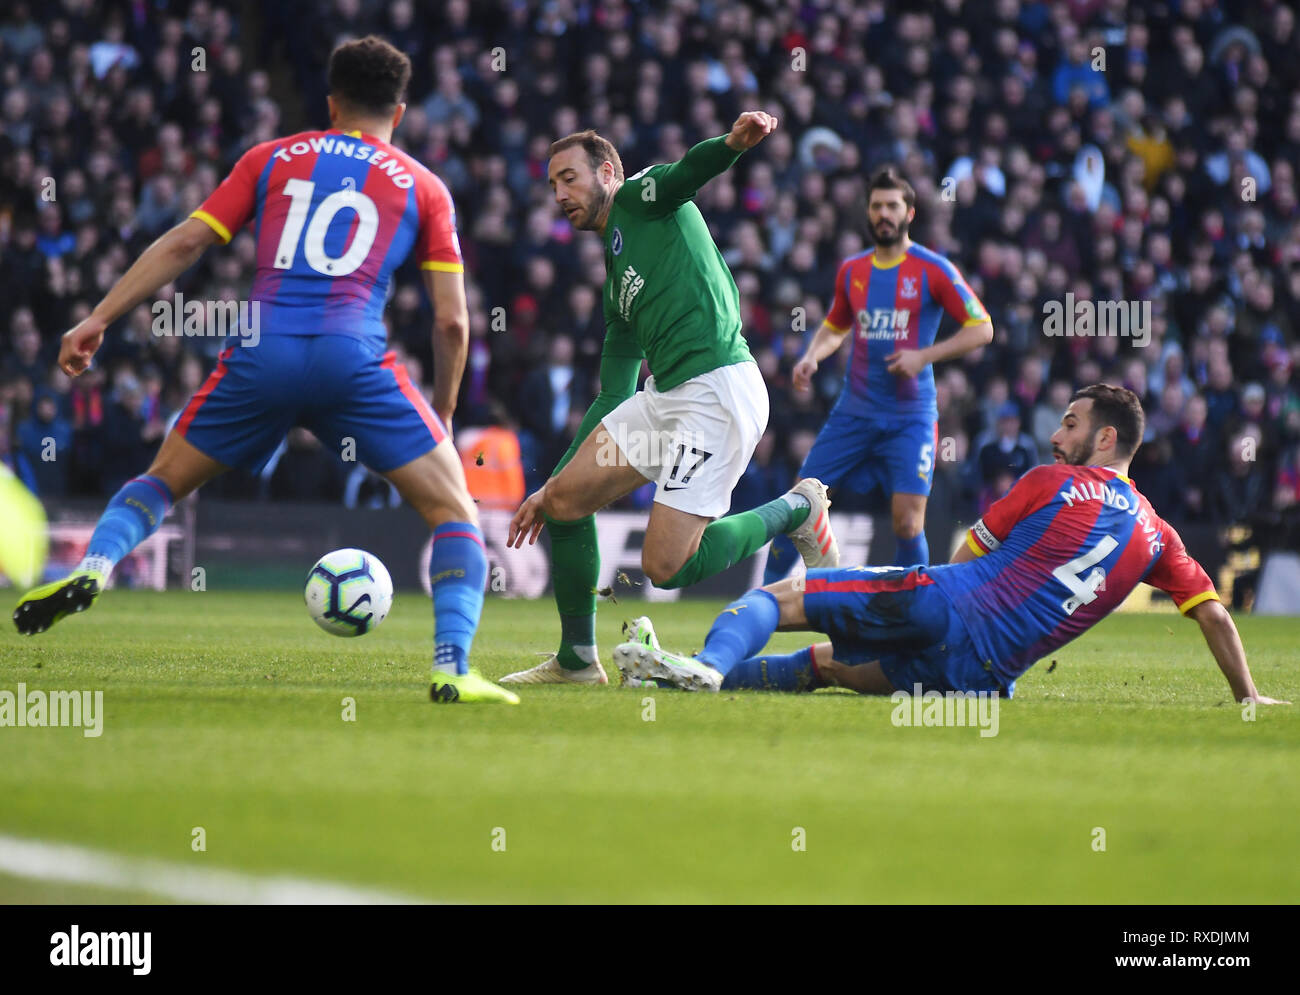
point(369, 75)
point(1119, 408)
point(599, 150)
point(888, 178)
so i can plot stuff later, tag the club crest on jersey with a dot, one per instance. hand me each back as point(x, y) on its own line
point(909, 291)
point(616, 241)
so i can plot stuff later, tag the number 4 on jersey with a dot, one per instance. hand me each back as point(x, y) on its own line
point(1084, 589)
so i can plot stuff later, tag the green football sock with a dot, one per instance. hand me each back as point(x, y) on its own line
point(729, 540)
point(575, 564)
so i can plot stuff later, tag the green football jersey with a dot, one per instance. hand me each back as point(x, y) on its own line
point(666, 284)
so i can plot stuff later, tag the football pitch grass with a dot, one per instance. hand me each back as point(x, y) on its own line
point(226, 712)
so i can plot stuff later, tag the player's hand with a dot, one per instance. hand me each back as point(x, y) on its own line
point(802, 373)
point(1259, 699)
point(80, 344)
point(905, 362)
point(750, 129)
point(528, 520)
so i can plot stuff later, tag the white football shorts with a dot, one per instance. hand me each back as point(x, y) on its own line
point(694, 440)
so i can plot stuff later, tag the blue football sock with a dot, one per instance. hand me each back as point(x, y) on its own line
point(791, 672)
point(909, 552)
point(743, 628)
point(781, 556)
point(132, 516)
point(457, 573)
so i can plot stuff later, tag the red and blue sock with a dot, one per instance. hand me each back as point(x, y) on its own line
point(457, 574)
point(132, 516)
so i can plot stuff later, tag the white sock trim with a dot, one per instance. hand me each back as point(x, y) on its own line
point(796, 501)
point(97, 564)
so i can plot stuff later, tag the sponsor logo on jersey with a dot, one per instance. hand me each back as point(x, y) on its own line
point(628, 289)
point(883, 323)
point(616, 241)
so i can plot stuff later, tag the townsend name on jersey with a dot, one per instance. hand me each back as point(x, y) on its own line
point(350, 149)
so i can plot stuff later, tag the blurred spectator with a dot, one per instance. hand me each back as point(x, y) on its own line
point(45, 440)
point(1008, 451)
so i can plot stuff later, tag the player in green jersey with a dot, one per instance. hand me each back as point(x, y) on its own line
point(668, 299)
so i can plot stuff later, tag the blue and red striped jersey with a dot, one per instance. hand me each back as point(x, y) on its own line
point(890, 308)
point(333, 214)
point(1061, 551)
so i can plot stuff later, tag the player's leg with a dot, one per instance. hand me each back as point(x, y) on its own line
point(841, 445)
point(398, 435)
point(713, 424)
point(597, 475)
point(806, 669)
point(741, 630)
point(869, 613)
point(911, 469)
point(434, 485)
point(136, 511)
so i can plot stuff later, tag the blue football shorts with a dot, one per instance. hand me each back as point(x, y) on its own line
point(861, 454)
point(337, 386)
point(898, 616)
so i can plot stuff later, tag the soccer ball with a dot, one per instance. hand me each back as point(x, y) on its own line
point(349, 592)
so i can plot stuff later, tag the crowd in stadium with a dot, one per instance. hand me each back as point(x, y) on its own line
point(1110, 150)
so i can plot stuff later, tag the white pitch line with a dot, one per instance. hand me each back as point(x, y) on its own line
point(63, 862)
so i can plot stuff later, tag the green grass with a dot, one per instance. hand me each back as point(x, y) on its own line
point(225, 711)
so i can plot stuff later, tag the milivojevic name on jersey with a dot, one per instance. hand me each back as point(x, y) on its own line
point(1113, 498)
point(350, 149)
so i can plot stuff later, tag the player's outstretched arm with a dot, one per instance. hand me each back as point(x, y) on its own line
point(450, 338)
point(662, 189)
point(170, 256)
point(1225, 643)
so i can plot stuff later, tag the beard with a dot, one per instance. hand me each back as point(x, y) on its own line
point(593, 210)
point(891, 237)
point(1080, 455)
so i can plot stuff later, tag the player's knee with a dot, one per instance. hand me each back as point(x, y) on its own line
point(659, 567)
point(908, 526)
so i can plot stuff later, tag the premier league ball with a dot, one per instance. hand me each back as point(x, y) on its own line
point(349, 592)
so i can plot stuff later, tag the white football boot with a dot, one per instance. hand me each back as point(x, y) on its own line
point(550, 672)
point(639, 630)
point(639, 661)
point(814, 538)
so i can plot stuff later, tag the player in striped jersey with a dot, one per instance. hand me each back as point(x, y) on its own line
point(883, 429)
point(1056, 555)
point(333, 213)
